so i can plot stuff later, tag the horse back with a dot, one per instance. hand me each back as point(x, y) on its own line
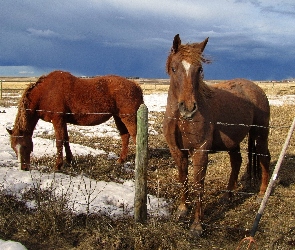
point(63, 94)
point(242, 98)
point(239, 106)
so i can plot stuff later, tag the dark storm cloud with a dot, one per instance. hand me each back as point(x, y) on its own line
point(253, 39)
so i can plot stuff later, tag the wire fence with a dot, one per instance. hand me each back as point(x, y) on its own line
point(216, 226)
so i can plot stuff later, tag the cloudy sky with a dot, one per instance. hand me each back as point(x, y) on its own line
point(247, 38)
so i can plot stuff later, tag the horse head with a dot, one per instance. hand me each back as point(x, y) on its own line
point(184, 66)
point(22, 145)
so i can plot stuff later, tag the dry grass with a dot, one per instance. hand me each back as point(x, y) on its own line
point(17, 82)
point(156, 85)
point(53, 226)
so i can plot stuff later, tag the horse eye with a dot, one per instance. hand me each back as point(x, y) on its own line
point(200, 69)
point(173, 69)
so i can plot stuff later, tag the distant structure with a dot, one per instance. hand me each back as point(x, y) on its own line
point(289, 80)
point(132, 77)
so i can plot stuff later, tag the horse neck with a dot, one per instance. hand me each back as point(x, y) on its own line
point(26, 118)
point(25, 122)
point(204, 93)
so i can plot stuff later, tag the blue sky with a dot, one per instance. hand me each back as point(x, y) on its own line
point(247, 38)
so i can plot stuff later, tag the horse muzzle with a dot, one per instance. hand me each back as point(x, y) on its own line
point(187, 112)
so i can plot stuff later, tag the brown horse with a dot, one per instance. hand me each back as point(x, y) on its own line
point(200, 118)
point(62, 98)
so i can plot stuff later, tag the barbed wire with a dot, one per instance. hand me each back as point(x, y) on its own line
point(224, 151)
point(213, 225)
point(198, 150)
point(87, 113)
point(230, 124)
point(218, 123)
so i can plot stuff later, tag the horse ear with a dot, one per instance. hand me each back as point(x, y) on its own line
point(176, 43)
point(9, 131)
point(203, 44)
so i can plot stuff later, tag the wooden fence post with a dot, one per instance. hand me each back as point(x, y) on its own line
point(141, 162)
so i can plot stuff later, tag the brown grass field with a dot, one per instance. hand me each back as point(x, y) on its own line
point(156, 85)
point(52, 226)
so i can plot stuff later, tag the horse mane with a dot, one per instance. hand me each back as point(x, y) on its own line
point(193, 55)
point(204, 89)
point(21, 120)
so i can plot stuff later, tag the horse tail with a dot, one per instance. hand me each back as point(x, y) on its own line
point(253, 170)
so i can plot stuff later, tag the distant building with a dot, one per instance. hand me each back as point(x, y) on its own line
point(132, 77)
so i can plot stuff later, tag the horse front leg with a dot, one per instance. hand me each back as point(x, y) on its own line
point(126, 126)
point(200, 161)
point(124, 150)
point(60, 137)
point(181, 160)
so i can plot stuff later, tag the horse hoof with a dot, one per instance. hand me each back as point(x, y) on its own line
point(120, 161)
point(181, 213)
point(259, 198)
point(196, 229)
point(180, 216)
point(226, 197)
point(67, 164)
point(57, 169)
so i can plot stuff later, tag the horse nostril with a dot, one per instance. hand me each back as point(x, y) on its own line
point(194, 107)
point(192, 110)
point(187, 111)
point(181, 105)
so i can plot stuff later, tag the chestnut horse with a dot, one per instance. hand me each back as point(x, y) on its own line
point(200, 118)
point(62, 98)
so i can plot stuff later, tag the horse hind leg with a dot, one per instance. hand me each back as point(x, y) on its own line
point(236, 162)
point(125, 133)
point(69, 155)
point(264, 161)
point(260, 136)
point(252, 170)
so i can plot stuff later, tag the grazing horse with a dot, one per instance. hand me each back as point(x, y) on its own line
point(200, 118)
point(62, 98)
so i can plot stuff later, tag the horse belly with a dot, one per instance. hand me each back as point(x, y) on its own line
point(228, 139)
point(88, 119)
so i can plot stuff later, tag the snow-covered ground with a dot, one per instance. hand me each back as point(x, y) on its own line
point(110, 198)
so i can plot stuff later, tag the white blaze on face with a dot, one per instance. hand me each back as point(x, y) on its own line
point(186, 66)
point(18, 154)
